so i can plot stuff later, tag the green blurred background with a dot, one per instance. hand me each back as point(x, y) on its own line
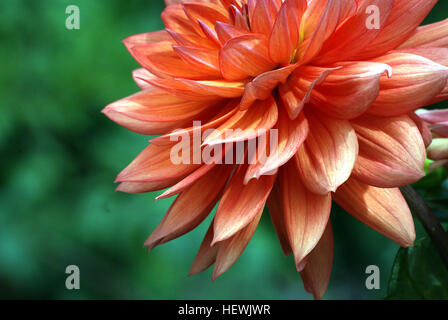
point(60, 156)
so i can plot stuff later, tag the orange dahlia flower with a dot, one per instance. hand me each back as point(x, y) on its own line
point(339, 87)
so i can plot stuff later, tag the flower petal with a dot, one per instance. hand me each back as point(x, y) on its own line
point(296, 92)
point(326, 159)
point(227, 31)
point(161, 59)
point(154, 164)
point(143, 187)
point(206, 255)
point(263, 16)
point(438, 150)
point(208, 13)
point(423, 128)
point(231, 249)
point(206, 60)
point(139, 74)
point(246, 124)
point(245, 56)
point(317, 272)
point(306, 214)
point(261, 87)
point(191, 40)
point(226, 112)
point(326, 24)
point(398, 27)
point(187, 182)
point(348, 92)
point(434, 116)
point(240, 204)
point(191, 207)
point(276, 212)
point(291, 135)
point(199, 90)
point(384, 210)
point(354, 36)
point(146, 38)
point(414, 83)
point(284, 38)
point(391, 151)
point(430, 35)
point(152, 111)
point(175, 19)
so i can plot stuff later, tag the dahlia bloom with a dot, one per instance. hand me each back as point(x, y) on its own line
point(437, 124)
point(340, 93)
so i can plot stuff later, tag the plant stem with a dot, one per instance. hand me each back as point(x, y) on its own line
point(429, 221)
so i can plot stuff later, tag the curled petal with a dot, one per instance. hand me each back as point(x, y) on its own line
point(191, 207)
point(391, 151)
point(245, 56)
point(317, 272)
point(326, 159)
point(240, 204)
point(306, 214)
point(414, 83)
point(384, 210)
point(296, 92)
point(348, 92)
point(261, 87)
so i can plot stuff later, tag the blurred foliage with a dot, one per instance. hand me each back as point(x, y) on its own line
point(60, 155)
point(418, 273)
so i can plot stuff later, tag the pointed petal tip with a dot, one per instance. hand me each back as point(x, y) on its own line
point(217, 272)
point(300, 266)
point(119, 188)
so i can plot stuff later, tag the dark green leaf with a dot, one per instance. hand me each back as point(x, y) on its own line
point(418, 273)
